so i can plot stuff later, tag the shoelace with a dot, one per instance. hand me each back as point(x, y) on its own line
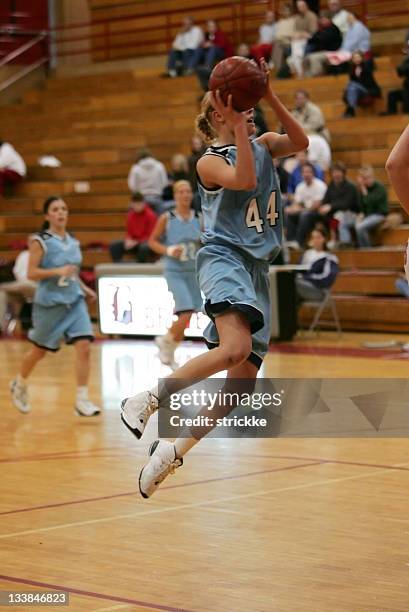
point(149, 410)
point(171, 468)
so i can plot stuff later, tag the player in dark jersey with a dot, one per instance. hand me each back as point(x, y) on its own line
point(241, 204)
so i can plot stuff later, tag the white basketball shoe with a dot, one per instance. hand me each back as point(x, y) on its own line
point(162, 462)
point(137, 410)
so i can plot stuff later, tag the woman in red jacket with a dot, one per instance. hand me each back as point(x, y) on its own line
point(140, 222)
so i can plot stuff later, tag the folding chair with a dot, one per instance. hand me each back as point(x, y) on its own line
point(327, 302)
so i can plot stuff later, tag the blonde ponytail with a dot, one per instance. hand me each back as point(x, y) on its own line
point(203, 124)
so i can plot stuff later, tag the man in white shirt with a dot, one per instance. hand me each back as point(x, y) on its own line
point(148, 177)
point(302, 214)
point(12, 166)
point(339, 15)
point(15, 293)
point(319, 152)
point(183, 49)
point(266, 37)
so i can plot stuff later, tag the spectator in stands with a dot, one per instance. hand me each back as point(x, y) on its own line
point(313, 5)
point(179, 171)
point(295, 177)
point(309, 114)
point(319, 152)
point(373, 203)
point(140, 222)
point(341, 202)
point(148, 176)
point(357, 38)
point(285, 29)
point(12, 166)
point(182, 54)
point(362, 83)
point(322, 270)
point(327, 38)
point(266, 37)
point(197, 147)
point(397, 96)
point(215, 47)
point(14, 294)
point(339, 15)
point(302, 214)
point(305, 24)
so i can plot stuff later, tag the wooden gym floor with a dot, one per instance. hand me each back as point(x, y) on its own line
point(266, 525)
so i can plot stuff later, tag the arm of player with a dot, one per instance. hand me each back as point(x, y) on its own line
point(214, 171)
point(35, 273)
point(89, 293)
point(295, 139)
point(155, 244)
point(397, 167)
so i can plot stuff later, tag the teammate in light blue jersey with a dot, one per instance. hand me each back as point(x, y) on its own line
point(176, 236)
point(242, 234)
point(59, 310)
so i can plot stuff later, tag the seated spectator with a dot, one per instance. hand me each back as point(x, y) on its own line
point(313, 5)
point(295, 177)
point(319, 153)
point(149, 177)
point(373, 203)
point(215, 47)
point(397, 96)
point(309, 115)
point(327, 38)
point(341, 202)
point(179, 171)
point(357, 38)
point(140, 222)
point(339, 15)
point(266, 37)
point(322, 270)
point(14, 294)
point(12, 166)
point(181, 59)
point(302, 214)
point(362, 83)
point(285, 29)
point(305, 24)
point(197, 147)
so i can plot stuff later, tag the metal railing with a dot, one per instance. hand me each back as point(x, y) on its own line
point(38, 44)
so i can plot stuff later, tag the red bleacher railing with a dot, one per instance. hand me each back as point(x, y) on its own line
point(100, 36)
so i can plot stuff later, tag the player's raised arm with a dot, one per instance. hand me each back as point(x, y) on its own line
point(231, 125)
point(295, 139)
point(397, 167)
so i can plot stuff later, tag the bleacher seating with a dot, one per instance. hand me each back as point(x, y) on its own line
point(94, 125)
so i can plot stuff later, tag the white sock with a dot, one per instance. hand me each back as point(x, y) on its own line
point(82, 393)
point(20, 380)
point(184, 444)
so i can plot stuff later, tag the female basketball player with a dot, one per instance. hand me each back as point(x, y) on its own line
point(241, 204)
point(59, 309)
point(176, 236)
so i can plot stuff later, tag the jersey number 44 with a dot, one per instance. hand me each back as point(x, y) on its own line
point(253, 217)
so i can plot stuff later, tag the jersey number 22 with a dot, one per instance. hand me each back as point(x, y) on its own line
point(253, 218)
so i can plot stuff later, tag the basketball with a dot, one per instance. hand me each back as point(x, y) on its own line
point(240, 77)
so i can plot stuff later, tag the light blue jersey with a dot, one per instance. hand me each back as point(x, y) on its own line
point(186, 233)
point(248, 220)
point(58, 252)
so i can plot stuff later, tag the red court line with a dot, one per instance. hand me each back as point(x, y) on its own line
point(74, 591)
point(130, 493)
point(56, 455)
point(333, 351)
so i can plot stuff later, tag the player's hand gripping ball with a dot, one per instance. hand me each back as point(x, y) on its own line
point(240, 77)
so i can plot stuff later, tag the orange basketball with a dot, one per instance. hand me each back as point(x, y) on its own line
point(240, 77)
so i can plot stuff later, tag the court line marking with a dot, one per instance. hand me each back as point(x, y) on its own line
point(208, 502)
point(57, 455)
point(130, 493)
point(74, 591)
